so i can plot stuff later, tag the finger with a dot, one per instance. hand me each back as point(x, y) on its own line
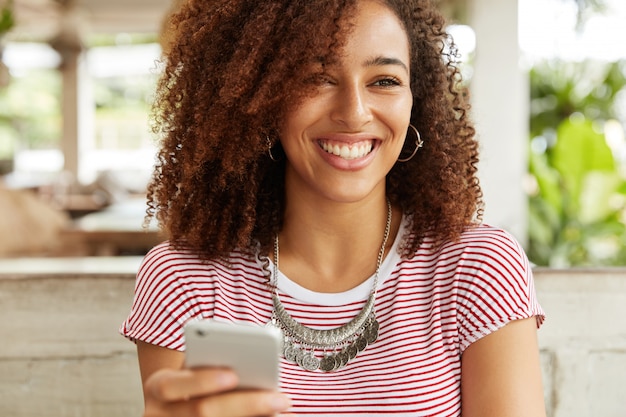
point(169, 385)
point(239, 404)
point(232, 404)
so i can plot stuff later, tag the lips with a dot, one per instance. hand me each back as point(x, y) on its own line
point(347, 151)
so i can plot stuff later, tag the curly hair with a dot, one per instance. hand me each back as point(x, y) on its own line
point(231, 72)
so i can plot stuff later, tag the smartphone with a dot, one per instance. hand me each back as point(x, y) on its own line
point(251, 351)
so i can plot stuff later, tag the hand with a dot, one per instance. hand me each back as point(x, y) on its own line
point(206, 392)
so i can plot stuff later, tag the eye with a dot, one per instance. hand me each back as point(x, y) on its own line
point(387, 82)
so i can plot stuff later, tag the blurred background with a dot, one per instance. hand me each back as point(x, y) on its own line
point(548, 93)
point(547, 80)
point(76, 83)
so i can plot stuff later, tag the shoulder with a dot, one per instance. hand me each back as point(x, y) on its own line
point(477, 243)
point(165, 255)
point(483, 259)
point(486, 238)
point(483, 279)
point(166, 262)
point(494, 278)
point(484, 246)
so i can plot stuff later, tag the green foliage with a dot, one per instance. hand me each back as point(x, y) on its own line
point(7, 20)
point(30, 110)
point(577, 207)
point(559, 89)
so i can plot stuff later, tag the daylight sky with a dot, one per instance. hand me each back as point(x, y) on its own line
point(547, 28)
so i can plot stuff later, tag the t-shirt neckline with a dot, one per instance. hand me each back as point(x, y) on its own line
point(358, 293)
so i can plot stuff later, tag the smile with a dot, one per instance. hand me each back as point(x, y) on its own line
point(345, 151)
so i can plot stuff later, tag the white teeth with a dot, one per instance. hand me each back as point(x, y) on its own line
point(346, 152)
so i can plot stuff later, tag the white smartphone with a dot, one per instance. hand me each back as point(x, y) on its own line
point(251, 351)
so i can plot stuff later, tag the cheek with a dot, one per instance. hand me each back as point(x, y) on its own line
point(405, 106)
point(289, 128)
point(297, 121)
point(291, 134)
point(400, 113)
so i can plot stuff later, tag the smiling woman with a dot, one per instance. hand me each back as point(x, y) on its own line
point(318, 175)
point(342, 141)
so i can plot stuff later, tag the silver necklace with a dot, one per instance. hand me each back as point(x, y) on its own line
point(328, 350)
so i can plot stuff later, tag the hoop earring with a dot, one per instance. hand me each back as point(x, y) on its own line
point(269, 149)
point(418, 144)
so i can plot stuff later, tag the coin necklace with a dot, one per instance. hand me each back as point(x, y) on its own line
point(339, 345)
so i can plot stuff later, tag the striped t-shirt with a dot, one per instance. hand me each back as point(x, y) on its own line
point(430, 307)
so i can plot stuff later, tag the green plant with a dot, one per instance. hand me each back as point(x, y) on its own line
point(576, 212)
point(30, 110)
point(7, 20)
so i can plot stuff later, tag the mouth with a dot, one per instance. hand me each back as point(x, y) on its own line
point(347, 151)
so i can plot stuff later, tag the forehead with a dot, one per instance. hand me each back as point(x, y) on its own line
point(375, 30)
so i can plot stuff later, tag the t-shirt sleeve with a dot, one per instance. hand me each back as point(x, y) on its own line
point(164, 299)
point(495, 285)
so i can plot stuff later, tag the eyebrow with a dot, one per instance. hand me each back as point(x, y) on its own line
point(382, 60)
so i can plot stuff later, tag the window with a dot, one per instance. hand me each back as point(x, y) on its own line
point(119, 74)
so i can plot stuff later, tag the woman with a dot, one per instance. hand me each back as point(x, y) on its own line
point(318, 166)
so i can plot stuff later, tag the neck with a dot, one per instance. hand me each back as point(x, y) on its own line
point(334, 247)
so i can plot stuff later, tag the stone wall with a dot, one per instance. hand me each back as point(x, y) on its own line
point(583, 341)
point(61, 355)
point(60, 351)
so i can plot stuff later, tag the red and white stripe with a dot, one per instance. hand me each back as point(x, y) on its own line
point(430, 307)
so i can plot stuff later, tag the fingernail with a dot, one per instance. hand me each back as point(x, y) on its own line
point(280, 402)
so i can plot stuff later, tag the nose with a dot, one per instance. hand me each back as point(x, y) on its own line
point(352, 107)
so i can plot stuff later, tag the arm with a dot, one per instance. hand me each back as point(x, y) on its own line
point(171, 390)
point(501, 374)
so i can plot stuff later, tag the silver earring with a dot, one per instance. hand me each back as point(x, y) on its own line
point(269, 149)
point(418, 144)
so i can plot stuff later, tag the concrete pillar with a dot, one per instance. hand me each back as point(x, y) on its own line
point(500, 96)
point(78, 107)
point(78, 110)
point(70, 108)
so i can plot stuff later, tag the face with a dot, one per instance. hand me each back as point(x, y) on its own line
point(343, 140)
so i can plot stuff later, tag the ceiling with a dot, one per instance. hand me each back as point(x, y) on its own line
point(43, 19)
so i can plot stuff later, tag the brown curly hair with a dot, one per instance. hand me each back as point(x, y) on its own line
point(232, 70)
